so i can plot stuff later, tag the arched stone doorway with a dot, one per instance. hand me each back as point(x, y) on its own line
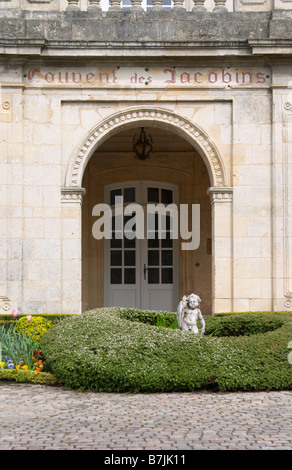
point(174, 169)
point(220, 280)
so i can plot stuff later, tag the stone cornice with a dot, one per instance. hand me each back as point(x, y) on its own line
point(134, 49)
point(199, 49)
point(63, 48)
point(69, 195)
point(24, 46)
point(221, 194)
point(271, 46)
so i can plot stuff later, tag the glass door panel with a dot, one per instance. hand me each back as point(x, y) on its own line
point(160, 243)
point(121, 257)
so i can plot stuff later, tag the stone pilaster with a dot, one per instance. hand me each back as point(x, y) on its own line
point(222, 248)
point(71, 249)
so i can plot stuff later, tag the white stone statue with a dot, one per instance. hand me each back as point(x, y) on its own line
point(188, 313)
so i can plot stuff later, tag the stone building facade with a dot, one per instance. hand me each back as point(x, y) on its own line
point(211, 83)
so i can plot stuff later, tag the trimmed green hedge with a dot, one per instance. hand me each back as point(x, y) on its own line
point(28, 376)
point(229, 325)
point(103, 350)
point(8, 320)
point(243, 325)
point(224, 314)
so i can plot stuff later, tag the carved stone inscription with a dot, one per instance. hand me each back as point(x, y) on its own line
point(134, 77)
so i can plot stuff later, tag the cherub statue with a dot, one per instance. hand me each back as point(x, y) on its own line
point(188, 313)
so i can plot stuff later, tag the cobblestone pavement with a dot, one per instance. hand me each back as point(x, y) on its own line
point(42, 417)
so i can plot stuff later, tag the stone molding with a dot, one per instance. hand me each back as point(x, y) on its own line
point(5, 305)
point(40, 1)
point(143, 116)
point(253, 5)
point(222, 195)
point(69, 195)
point(287, 261)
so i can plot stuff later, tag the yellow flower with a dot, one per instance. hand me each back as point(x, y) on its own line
point(25, 367)
point(2, 364)
point(17, 367)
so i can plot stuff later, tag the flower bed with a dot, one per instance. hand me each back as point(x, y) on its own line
point(21, 357)
point(20, 351)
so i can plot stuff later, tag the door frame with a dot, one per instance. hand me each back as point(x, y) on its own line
point(141, 249)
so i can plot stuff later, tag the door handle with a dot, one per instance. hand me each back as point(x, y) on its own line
point(145, 270)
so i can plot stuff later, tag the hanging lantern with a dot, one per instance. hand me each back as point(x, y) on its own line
point(142, 145)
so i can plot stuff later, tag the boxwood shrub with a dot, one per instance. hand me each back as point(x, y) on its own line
point(28, 376)
point(111, 350)
point(230, 325)
point(241, 325)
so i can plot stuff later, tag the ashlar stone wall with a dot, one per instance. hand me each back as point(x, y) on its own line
point(222, 83)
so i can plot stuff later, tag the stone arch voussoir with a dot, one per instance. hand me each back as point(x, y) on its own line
point(146, 115)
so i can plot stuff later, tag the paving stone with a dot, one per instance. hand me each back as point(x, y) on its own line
point(67, 420)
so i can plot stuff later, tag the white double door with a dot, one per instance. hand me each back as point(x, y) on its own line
point(141, 272)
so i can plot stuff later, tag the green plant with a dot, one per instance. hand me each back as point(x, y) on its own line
point(162, 321)
point(173, 325)
point(105, 351)
point(224, 314)
point(34, 328)
point(242, 325)
point(150, 317)
point(219, 325)
point(16, 348)
point(7, 320)
point(29, 376)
